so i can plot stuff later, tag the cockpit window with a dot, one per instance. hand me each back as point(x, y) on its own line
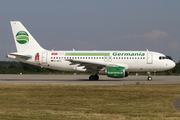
point(163, 57)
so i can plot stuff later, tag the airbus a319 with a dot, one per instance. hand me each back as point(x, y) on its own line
point(115, 64)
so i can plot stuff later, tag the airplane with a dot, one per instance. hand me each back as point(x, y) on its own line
point(114, 64)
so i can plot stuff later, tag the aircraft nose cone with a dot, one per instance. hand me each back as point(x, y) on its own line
point(172, 64)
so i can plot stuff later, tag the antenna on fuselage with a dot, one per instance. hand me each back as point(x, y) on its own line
point(53, 48)
point(73, 49)
point(147, 49)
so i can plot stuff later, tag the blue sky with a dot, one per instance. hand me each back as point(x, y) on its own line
point(95, 24)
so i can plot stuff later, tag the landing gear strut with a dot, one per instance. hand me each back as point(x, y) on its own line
point(94, 77)
point(149, 76)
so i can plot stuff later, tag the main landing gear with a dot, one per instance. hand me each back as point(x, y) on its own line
point(149, 76)
point(94, 77)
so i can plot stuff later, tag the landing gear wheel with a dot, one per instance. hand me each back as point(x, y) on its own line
point(149, 78)
point(96, 77)
point(93, 77)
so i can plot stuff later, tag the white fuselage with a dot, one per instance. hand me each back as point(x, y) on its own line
point(132, 61)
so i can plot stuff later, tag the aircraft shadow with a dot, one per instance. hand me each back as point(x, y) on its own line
point(134, 80)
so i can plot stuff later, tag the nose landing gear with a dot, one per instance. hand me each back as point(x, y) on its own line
point(149, 76)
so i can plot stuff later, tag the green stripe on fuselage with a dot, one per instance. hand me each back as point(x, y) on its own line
point(87, 54)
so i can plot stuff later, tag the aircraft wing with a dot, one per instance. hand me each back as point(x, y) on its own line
point(19, 55)
point(94, 65)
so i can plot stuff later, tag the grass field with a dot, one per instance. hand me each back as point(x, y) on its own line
point(88, 102)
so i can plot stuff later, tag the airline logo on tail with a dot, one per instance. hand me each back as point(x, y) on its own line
point(22, 37)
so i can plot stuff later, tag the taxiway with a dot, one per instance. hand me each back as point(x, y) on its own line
point(83, 80)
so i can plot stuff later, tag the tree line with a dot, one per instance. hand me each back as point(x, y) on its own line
point(13, 67)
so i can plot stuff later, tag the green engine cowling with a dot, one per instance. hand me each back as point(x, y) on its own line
point(116, 72)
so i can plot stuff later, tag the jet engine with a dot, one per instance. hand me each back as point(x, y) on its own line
point(116, 72)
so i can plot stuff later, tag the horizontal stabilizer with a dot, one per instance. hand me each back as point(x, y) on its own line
point(19, 55)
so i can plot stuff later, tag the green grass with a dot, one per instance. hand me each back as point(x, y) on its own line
point(88, 102)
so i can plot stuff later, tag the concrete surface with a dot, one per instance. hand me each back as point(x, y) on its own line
point(84, 80)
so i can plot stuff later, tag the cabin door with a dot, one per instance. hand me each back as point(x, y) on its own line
point(44, 58)
point(149, 58)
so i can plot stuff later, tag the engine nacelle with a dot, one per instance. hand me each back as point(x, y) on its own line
point(116, 72)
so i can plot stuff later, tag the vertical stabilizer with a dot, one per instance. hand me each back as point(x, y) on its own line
point(23, 39)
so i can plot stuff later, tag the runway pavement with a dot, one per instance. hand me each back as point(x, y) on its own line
point(83, 80)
